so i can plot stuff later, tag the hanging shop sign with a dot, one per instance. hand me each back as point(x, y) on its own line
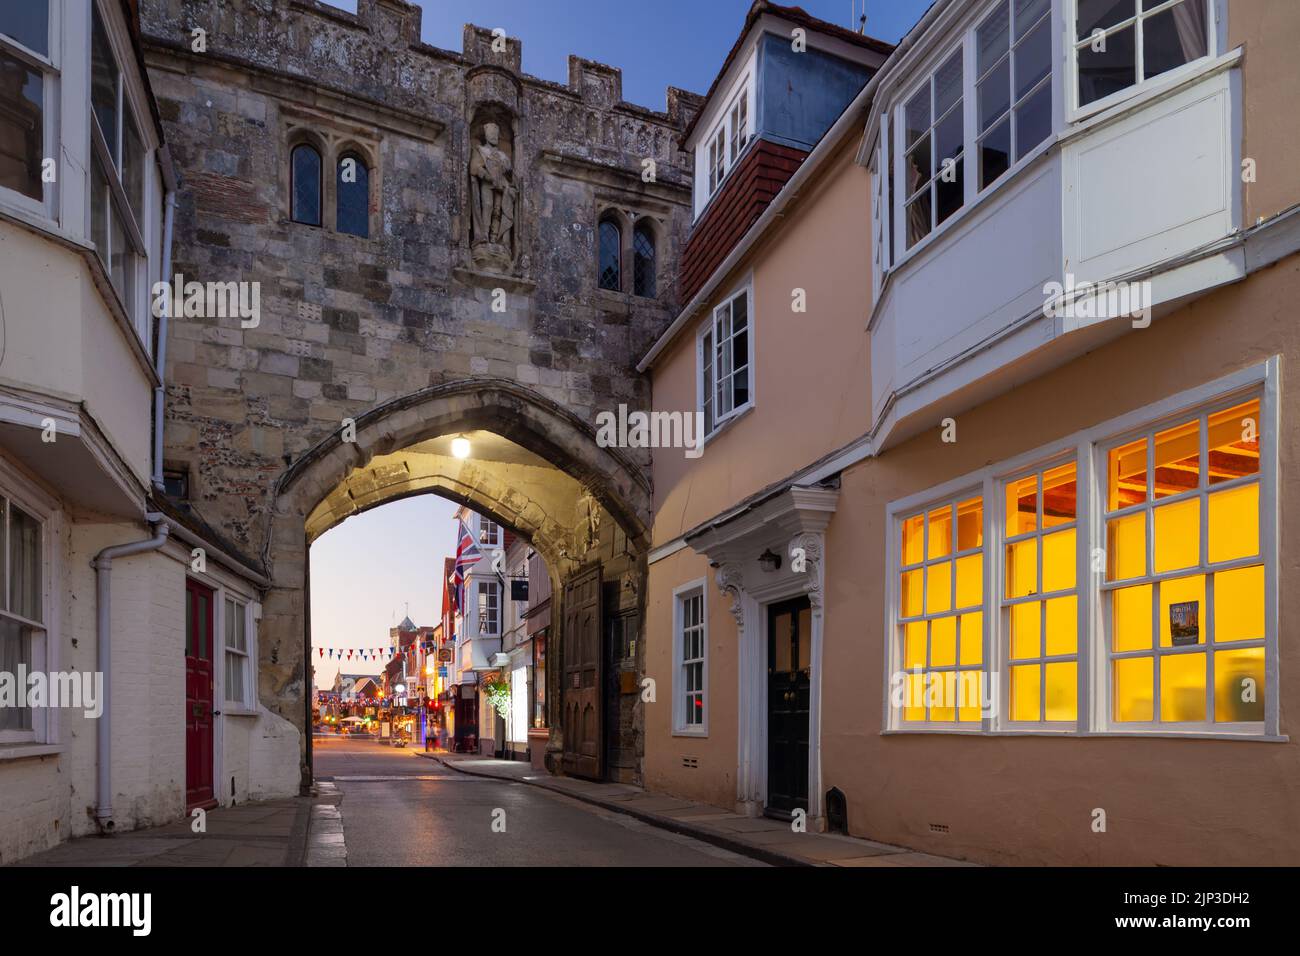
point(519, 589)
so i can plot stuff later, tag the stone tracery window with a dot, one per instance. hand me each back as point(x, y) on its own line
point(305, 184)
point(643, 260)
point(352, 195)
point(611, 255)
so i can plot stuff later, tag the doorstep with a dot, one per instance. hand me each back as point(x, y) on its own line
point(771, 841)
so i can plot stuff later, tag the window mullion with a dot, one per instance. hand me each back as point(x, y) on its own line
point(992, 612)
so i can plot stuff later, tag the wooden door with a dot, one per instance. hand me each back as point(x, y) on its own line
point(198, 695)
point(789, 651)
point(582, 684)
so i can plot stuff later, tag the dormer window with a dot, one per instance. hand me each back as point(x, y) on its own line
point(729, 138)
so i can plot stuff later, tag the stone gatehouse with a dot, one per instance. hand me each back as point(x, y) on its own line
point(422, 226)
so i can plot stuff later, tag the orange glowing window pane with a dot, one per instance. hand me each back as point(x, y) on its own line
point(1061, 636)
point(914, 697)
point(1062, 698)
point(1059, 561)
point(944, 687)
point(970, 581)
point(913, 540)
point(1026, 695)
point(1131, 618)
point(940, 533)
point(943, 642)
point(914, 644)
point(1239, 684)
point(1126, 547)
point(1026, 630)
point(1178, 535)
point(1022, 568)
point(1239, 605)
point(969, 695)
point(972, 638)
point(1134, 689)
point(970, 524)
point(1060, 496)
point(1183, 591)
point(938, 587)
point(911, 593)
point(1178, 459)
point(1182, 687)
point(1126, 475)
point(1234, 442)
point(1234, 523)
point(1022, 506)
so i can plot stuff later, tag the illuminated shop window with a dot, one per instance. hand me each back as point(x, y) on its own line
point(941, 616)
point(1040, 601)
point(1184, 579)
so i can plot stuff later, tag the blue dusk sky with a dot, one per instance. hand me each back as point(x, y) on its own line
point(368, 570)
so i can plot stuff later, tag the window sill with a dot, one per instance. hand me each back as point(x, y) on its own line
point(1109, 734)
point(23, 751)
point(1135, 97)
point(238, 710)
point(734, 417)
point(694, 734)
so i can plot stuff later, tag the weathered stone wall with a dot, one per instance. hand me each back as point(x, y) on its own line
point(348, 323)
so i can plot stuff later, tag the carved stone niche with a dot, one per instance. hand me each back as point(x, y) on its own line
point(494, 174)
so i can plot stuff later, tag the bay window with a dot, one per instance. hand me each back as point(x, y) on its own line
point(941, 617)
point(489, 608)
point(725, 360)
point(1121, 44)
point(28, 75)
point(118, 166)
point(1132, 590)
point(1014, 87)
point(934, 142)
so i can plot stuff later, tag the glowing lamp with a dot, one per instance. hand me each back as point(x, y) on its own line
point(460, 446)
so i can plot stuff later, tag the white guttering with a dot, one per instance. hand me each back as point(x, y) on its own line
point(164, 275)
point(790, 191)
point(103, 565)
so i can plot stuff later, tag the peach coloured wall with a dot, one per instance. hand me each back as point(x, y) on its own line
point(810, 388)
point(714, 781)
point(1270, 33)
point(1029, 800)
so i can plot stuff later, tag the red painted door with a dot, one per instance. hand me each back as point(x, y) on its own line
point(198, 695)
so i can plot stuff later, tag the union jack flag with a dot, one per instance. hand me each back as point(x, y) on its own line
point(467, 555)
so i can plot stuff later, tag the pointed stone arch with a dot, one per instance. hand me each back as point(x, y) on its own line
point(382, 456)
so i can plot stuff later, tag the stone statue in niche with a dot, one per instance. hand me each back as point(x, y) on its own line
point(492, 200)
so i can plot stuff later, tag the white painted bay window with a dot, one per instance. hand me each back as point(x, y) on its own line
point(1121, 45)
point(1013, 57)
point(1141, 599)
point(29, 75)
point(489, 608)
point(725, 353)
point(118, 169)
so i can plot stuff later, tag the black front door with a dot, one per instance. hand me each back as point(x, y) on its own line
point(789, 650)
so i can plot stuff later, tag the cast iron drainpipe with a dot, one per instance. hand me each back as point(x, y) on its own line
point(103, 565)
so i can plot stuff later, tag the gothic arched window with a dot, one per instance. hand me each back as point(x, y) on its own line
point(611, 255)
point(352, 198)
point(305, 184)
point(643, 260)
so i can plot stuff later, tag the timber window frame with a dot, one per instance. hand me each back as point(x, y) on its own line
point(1089, 450)
point(489, 608)
point(724, 396)
point(45, 64)
point(35, 621)
point(1137, 24)
point(690, 674)
point(237, 652)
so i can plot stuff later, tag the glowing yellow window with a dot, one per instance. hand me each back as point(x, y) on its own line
point(938, 587)
point(1126, 547)
point(912, 590)
point(970, 581)
point(1234, 442)
point(1239, 685)
point(1239, 605)
point(1234, 523)
point(1022, 568)
point(1178, 459)
point(943, 642)
point(1060, 496)
point(1026, 620)
point(1061, 634)
point(1127, 475)
point(1022, 506)
point(914, 644)
point(1059, 558)
point(1131, 618)
point(1178, 535)
point(1182, 687)
point(1182, 603)
point(913, 540)
point(1026, 696)
point(1061, 698)
point(1134, 689)
point(940, 533)
point(972, 638)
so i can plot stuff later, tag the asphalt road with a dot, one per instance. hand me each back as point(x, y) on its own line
point(400, 809)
